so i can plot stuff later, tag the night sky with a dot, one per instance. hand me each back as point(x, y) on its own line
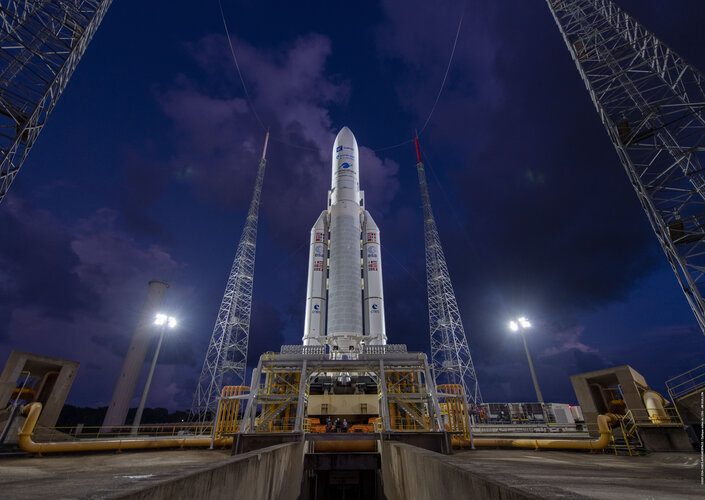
point(146, 167)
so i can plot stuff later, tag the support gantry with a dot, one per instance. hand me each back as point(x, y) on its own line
point(450, 353)
point(41, 43)
point(652, 104)
point(226, 358)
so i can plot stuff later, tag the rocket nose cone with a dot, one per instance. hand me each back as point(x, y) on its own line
point(346, 135)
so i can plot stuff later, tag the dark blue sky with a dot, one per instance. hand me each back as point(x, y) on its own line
point(146, 166)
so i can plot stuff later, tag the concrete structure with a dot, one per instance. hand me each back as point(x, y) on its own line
point(272, 473)
point(528, 474)
point(125, 386)
point(590, 389)
point(623, 391)
point(406, 472)
point(343, 404)
point(49, 381)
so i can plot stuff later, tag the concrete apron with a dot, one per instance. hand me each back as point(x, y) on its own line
point(269, 473)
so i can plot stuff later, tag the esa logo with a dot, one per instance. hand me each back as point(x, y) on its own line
point(338, 149)
point(345, 165)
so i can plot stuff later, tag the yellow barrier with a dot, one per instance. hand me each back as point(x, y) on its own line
point(229, 410)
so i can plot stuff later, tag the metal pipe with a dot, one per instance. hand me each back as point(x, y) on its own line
point(33, 410)
point(654, 407)
point(140, 409)
point(604, 423)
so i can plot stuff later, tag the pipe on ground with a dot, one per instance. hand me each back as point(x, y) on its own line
point(33, 410)
point(604, 423)
point(654, 407)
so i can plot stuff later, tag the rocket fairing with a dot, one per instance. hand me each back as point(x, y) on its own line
point(349, 239)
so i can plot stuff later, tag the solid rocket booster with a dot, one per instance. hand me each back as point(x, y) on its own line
point(375, 330)
point(348, 232)
point(315, 326)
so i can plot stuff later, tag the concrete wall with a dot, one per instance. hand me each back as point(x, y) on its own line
point(38, 366)
point(406, 471)
point(270, 473)
point(627, 377)
point(343, 404)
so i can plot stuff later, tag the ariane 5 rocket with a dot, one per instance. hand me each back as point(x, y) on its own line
point(345, 298)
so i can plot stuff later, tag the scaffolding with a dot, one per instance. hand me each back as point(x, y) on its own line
point(652, 104)
point(450, 353)
point(226, 358)
point(41, 43)
point(281, 384)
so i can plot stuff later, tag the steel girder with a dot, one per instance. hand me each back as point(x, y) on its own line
point(226, 359)
point(450, 354)
point(652, 104)
point(41, 42)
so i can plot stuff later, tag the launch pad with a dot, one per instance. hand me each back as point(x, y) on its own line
point(382, 392)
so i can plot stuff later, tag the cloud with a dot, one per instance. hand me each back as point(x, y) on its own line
point(545, 217)
point(218, 140)
point(568, 339)
point(75, 292)
point(38, 265)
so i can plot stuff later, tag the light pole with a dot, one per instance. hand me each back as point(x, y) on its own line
point(163, 321)
point(520, 325)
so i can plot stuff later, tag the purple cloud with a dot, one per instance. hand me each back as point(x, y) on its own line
point(567, 340)
point(218, 141)
point(100, 271)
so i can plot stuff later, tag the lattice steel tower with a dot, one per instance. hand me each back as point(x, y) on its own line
point(41, 42)
point(450, 353)
point(652, 103)
point(226, 358)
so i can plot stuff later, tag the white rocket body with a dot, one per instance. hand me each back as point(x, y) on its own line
point(373, 299)
point(315, 326)
point(338, 321)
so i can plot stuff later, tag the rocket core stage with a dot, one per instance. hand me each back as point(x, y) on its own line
point(345, 255)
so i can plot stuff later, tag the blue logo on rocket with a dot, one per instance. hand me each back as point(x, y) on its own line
point(345, 165)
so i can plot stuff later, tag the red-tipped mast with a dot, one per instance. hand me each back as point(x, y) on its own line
point(418, 153)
